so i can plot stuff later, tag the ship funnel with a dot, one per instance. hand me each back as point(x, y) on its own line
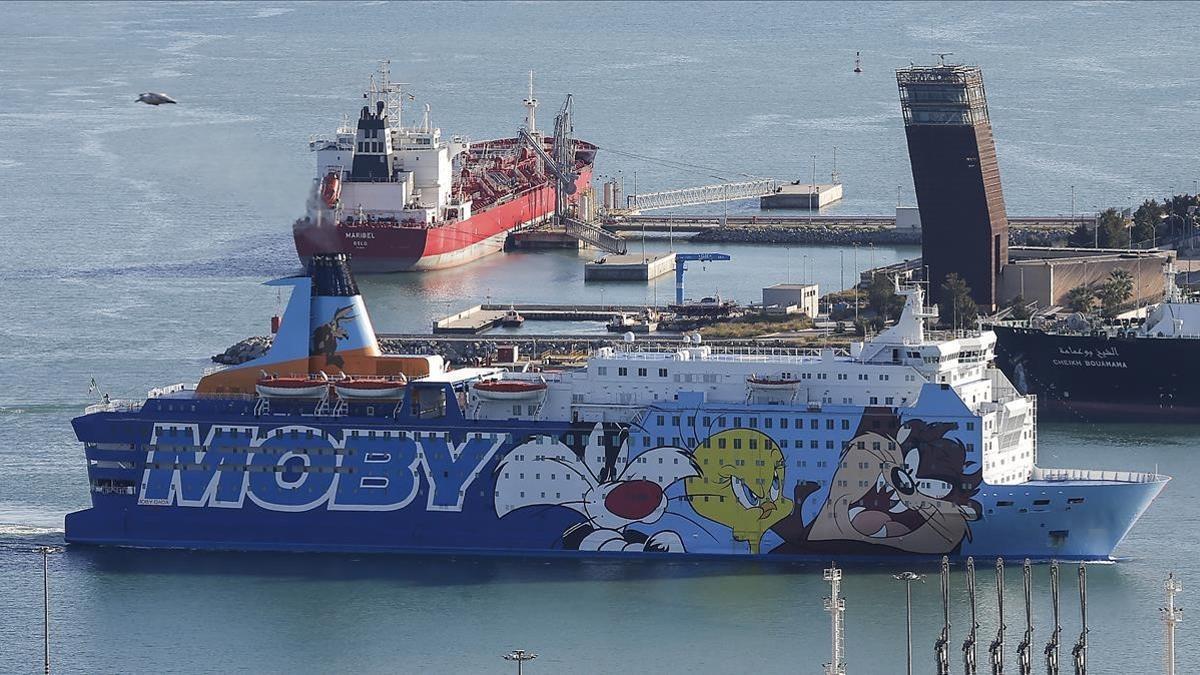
point(325, 331)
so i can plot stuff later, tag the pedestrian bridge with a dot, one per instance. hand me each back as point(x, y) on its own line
point(704, 194)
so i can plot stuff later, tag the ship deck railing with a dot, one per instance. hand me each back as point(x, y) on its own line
point(1094, 475)
point(649, 351)
point(115, 405)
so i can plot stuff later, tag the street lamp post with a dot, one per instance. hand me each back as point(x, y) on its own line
point(46, 551)
point(520, 656)
point(908, 578)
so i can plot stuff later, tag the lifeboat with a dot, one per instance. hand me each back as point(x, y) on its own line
point(331, 189)
point(371, 387)
point(509, 389)
point(772, 382)
point(291, 387)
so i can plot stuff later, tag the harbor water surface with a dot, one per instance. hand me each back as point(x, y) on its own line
point(136, 240)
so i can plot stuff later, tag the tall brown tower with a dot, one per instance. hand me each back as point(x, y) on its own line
point(964, 228)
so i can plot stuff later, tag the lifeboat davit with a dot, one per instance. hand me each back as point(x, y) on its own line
point(331, 189)
point(371, 387)
point(509, 389)
point(291, 387)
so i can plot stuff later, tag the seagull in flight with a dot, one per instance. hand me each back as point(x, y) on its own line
point(154, 98)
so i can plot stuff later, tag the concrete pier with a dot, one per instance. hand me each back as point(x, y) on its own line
point(543, 239)
point(629, 267)
point(802, 196)
point(480, 318)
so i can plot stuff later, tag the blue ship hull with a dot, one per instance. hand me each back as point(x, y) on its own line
point(213, 474)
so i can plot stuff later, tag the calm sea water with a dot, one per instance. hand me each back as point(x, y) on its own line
point(136, 239)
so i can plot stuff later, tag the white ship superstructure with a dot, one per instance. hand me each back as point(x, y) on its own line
point(889, 370)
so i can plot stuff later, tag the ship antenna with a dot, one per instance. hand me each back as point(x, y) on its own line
point(531, 105)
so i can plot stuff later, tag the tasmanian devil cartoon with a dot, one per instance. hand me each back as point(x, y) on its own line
point(325, 337)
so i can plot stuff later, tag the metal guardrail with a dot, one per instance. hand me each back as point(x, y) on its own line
point(703, 194)
point(594, 235)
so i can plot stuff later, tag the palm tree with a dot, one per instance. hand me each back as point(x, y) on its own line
point(1116, 291)
point(1080, 299)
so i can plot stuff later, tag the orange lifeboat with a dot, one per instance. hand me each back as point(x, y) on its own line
point(509, 389)
point(371, 388)
point(331, 189)
point(291, 387)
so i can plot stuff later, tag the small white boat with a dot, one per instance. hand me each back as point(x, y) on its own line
point(512, 318)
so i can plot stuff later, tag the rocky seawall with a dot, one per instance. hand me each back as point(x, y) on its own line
point(455, 351)
point(846, 236)
point(463, 352)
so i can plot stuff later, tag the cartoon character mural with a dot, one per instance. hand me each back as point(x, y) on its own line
point(741, 483)
point(592, 473)
point(906, 487)
point(325, 337)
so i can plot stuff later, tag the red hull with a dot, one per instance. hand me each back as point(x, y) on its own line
point(396, 248)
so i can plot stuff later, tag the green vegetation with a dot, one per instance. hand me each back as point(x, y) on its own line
point(1081, 299)
point(1019, 307)
point(753, 325)
point(956, 308)
point(1112, 294)
point(1152, 223)
point(1115, 292)
point(1112, 232)
point(882, 298)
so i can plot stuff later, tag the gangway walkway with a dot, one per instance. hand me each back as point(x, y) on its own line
point(704, 194)
point(594, 235)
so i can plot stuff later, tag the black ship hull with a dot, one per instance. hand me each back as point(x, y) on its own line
point(1096, 378)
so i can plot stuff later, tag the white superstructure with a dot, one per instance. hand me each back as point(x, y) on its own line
point(888, 370)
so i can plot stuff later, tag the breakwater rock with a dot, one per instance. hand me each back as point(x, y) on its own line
point(846, 236)
point(833, 236)
point(473, 351)
point(455, 351)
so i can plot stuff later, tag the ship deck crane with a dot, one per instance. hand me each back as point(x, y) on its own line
point(681, 261)
point(561, 165)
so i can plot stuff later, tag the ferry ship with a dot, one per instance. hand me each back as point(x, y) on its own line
point(1086, 369)
point(402, 198)
point(908, 446)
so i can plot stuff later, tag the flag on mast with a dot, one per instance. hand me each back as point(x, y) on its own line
point(92, 388)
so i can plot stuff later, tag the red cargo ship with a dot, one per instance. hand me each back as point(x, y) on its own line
point(400, 198)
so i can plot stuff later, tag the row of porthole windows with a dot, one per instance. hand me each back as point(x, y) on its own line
point(752, 422)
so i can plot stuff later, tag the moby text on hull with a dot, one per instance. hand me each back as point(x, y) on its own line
point(907, 446)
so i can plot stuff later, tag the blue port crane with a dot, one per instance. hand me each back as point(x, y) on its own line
point(681, 261)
